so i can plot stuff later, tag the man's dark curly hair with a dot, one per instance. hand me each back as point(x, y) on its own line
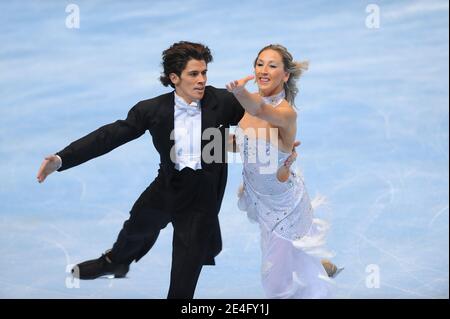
point(178, 55)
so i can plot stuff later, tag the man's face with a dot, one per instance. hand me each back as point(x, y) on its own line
point(190, 85)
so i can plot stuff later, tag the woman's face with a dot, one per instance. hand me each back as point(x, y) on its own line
point(269, 72)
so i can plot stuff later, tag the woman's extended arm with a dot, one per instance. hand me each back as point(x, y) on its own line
point(281, 117)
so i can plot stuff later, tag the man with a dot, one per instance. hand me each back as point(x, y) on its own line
point(188, 189)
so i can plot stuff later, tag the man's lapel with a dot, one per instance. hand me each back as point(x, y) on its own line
point(165, 127)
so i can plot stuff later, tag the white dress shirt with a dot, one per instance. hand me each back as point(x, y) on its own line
point(188, 134)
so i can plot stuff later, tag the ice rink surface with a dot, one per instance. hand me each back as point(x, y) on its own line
point(373, 121)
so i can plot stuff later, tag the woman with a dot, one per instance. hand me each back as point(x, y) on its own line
point(291, 239)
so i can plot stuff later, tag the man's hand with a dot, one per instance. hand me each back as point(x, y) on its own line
point(291, 159)
point(50, 164)
point(238, 86)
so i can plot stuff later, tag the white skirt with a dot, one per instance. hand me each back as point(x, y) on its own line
point(292, 247)
point(293, 269)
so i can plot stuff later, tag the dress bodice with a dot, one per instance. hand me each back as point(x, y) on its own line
point(283, 207)
point(261, 160)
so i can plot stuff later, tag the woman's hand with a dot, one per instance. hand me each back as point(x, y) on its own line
point(284, 171)
point(238, 86)
point(291, 159)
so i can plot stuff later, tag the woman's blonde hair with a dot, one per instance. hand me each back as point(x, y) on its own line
point(294, 68)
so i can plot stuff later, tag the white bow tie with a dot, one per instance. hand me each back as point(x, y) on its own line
point(182, 107)
point(191, 109)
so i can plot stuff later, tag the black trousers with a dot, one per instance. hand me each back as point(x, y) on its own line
point(191, 212)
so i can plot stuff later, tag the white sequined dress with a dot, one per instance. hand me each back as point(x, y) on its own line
point(292, 240)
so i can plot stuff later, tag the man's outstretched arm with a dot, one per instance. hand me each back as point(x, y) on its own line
point(96, 143)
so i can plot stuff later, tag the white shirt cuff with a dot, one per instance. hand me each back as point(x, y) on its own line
point(60, 161)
